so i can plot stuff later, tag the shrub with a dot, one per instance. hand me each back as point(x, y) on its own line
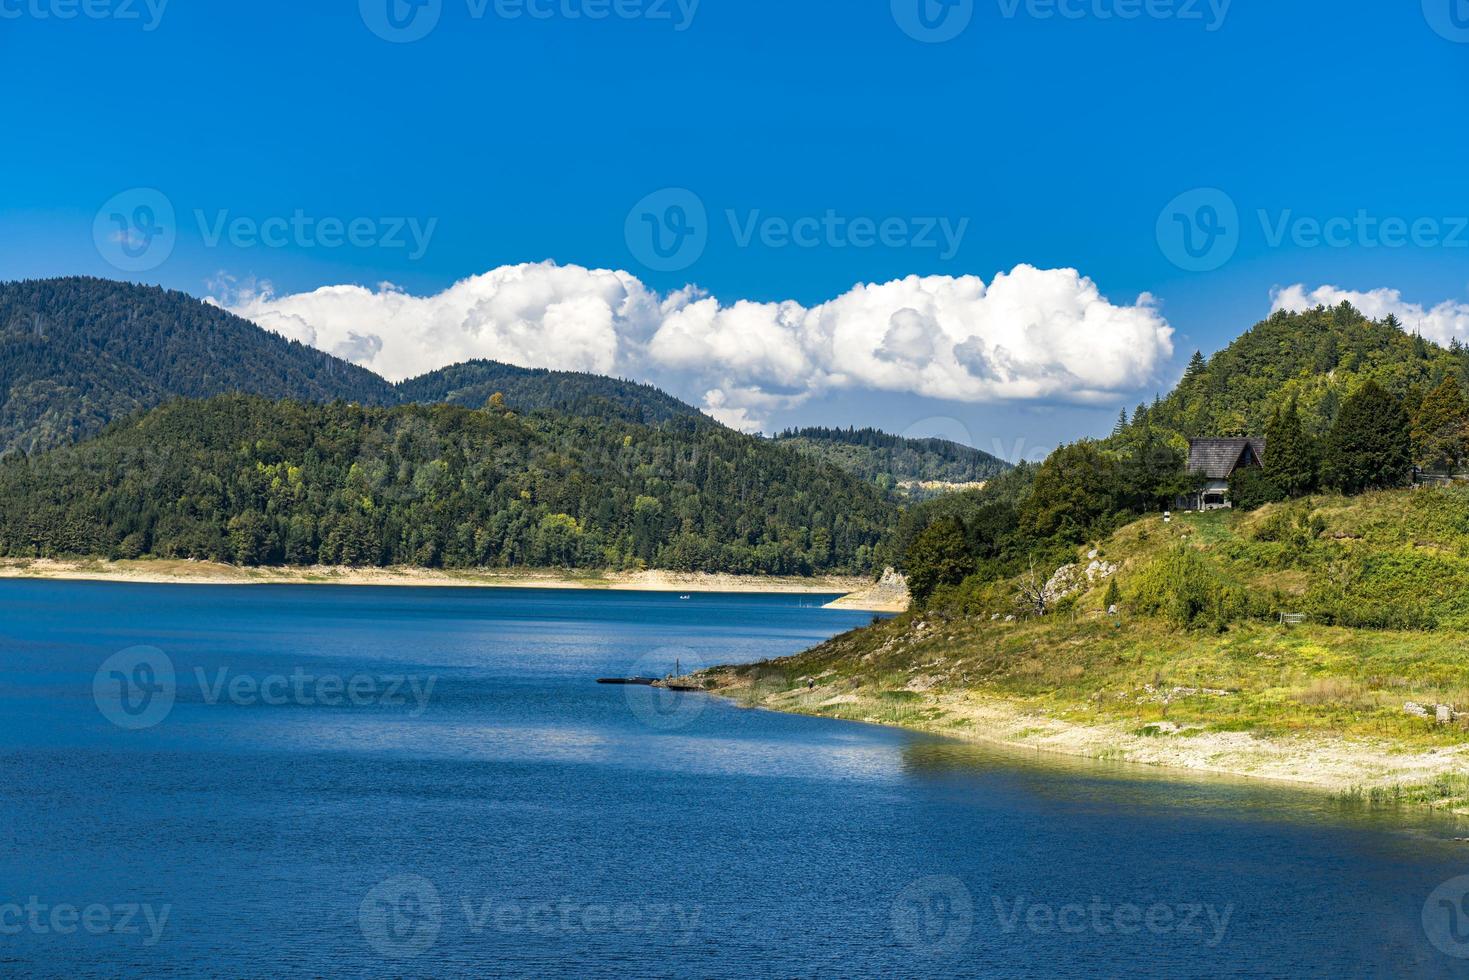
point(1181, 587)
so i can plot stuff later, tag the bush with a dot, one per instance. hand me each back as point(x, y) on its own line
point(1251, 489)
point(1181, 587)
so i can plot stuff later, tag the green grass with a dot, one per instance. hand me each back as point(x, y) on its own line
point(1353, 566)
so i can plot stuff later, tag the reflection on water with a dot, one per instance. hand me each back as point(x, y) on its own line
point(525, 821)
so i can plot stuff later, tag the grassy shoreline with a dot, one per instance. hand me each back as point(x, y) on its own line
point(181, 572)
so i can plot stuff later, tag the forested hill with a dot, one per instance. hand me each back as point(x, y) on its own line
point(891, 461)
point(474, 383)
point(252, 481)
point(77, 353)
point(1317, 358)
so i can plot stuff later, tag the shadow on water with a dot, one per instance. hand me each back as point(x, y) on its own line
point(1052, 780)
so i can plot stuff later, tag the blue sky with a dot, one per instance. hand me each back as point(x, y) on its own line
point(1051, 141)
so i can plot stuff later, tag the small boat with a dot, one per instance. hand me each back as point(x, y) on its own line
point(685, 597)
point(683, 687)
point(638, 681)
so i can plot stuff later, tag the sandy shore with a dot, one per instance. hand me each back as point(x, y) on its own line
point(175, 572)
point(1331, 764)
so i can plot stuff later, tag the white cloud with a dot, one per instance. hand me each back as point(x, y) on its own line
point(1031, 334)
point(1440, 324)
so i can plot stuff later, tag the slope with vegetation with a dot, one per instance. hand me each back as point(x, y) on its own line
point(77, 353)
point(256, 482)
point(919, 468)
point(1173, 651)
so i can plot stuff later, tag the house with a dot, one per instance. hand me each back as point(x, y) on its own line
point(1214, 461)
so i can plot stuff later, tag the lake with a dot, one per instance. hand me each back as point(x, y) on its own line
point(307, 781)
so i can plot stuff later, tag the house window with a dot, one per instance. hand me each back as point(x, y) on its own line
point(1213, 500)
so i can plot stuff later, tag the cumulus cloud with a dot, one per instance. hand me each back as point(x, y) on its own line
point(1441, 323)
point(1030, 334)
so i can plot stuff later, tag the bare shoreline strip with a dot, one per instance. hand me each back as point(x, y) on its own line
point(182, 572)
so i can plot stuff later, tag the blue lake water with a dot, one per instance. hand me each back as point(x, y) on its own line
point(425, 782)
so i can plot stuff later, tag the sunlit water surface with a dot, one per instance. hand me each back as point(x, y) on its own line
point(515, 818)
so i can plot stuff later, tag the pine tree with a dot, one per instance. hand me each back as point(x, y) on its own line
point(1439, 427)
point(1121, 425)
point(1370, 445)
point(1196, 366)
point(1291, 458)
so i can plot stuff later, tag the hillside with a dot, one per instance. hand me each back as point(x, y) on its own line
point(472, 384)
point(1317, 357)
point(256, 482)
point(77, 353)
point(919, 467)
point(1195, 669)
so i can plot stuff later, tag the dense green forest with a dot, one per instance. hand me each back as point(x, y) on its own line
point(247, 480)
point(1346, 404)
point(1314, 359)
point(474, 383)
point(77, 353)
point(891, 461)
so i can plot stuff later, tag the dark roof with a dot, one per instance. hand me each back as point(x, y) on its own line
point(1217, 459)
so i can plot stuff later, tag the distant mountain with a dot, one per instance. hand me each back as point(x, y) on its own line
point(77, 353)
point(1317, 357)
point(259, 482)
point(919, 467)
point(472, 384)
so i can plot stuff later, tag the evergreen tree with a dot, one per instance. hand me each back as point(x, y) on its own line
point(1439, 427)
point(1291, 458)
point(1121, 425)
point(940, 556)
point(1370, 445)
point(1196, 366)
